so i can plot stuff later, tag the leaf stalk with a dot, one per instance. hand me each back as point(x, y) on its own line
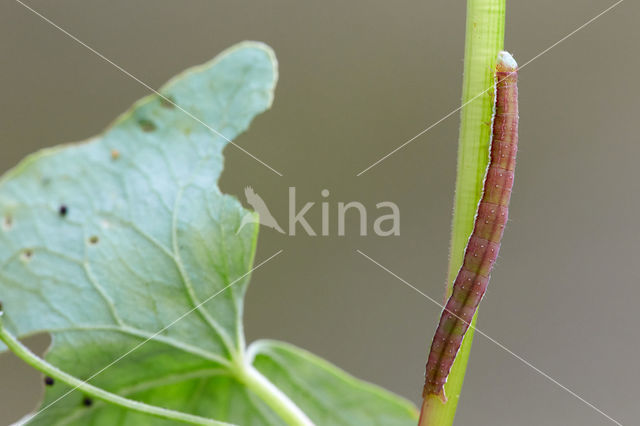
point(271, 395)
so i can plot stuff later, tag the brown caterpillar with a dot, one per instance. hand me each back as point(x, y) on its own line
point(484, 242)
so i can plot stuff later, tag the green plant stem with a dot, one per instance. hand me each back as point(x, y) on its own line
point(272, 396)
point(484, 39)
point(40, 364)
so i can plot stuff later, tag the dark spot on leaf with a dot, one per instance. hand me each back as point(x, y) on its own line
point(27, 254)
point(46, 181)
point(7, 223)
point(168, 102)
point(48, 381)
point(87, 402)
point(146, 125)
point(1, 307)
point(94, 239)
point(63, 210)
point(115, 154)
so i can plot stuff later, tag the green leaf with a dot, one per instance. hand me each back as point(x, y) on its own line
point(105, 243)
point(327, 394)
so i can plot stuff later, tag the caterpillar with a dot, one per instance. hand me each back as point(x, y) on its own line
point(484, 243)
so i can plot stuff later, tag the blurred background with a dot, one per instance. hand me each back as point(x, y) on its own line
point(357, 79)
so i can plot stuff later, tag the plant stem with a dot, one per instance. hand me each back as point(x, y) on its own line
point(40, 364)
point(272, 396)
point(484, 39)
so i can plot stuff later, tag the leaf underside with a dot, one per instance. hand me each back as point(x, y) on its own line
point(106, 242)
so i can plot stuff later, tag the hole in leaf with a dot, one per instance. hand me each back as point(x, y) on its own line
point(146, 125)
